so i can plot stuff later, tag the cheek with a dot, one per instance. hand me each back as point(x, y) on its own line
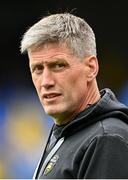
point(79, 87)
point(78, 81)
point(76, 87)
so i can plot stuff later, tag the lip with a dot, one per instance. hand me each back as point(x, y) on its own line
point(50, 96)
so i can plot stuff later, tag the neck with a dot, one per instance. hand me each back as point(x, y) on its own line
point(92, 95)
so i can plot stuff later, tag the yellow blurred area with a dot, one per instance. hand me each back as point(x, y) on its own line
point(26, 130)
point(25, 126)
point(24, 136)
point(2, 171)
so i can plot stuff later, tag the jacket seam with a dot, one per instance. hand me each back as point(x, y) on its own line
point(105, 134)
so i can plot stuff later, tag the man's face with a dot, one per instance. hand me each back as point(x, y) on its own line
point(60, 80)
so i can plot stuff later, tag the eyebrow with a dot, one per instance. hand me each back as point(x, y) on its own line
point(48, 63)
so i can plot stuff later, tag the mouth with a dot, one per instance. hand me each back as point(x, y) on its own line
point(51, 96)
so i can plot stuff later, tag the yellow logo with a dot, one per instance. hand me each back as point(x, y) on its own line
point(51, 164)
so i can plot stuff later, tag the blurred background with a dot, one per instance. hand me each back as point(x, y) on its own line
point(24, 126)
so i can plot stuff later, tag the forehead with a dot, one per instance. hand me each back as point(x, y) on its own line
point(50, 51)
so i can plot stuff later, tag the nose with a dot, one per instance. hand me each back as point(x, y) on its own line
point(47, 80)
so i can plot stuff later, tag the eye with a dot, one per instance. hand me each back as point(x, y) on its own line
point(58, 66)
point(37, 69)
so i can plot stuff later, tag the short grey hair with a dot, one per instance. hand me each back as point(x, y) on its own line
point(61, 28)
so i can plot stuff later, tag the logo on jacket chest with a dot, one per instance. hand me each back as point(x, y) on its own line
point(51, 164)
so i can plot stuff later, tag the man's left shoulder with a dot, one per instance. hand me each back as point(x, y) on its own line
point(115, 126)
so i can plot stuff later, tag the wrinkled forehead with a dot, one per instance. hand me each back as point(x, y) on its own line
point(50, 49)
point(50, 45)
point(51, 52)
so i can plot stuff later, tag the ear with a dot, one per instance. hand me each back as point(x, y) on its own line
point(93, 67)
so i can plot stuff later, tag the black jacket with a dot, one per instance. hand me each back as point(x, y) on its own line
point(94, 145)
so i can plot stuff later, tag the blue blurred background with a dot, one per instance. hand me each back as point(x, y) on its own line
point(24, 126)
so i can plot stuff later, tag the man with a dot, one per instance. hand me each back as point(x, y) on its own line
point(89, 138)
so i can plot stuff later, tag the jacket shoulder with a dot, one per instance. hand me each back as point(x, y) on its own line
point(115, 127)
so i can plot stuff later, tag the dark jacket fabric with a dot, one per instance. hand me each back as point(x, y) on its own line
point(95, 144)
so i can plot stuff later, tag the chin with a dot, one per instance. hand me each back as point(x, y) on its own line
point(54, 112)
